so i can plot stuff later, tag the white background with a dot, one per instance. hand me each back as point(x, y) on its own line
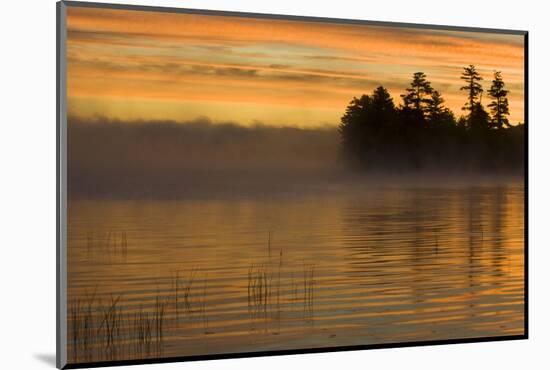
point(27, 181)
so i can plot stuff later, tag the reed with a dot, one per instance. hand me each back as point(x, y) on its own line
point(250, 283)
point(266, 295)
point(269, 245)
point(147, 329)
point(107, 243)
point(142, 333)
point(293, 288)
point(159, 323)
point(107, 246)
point(258, 291)
point(124, 245)
point(82, 326)
point(110, 327)
point(279, 280)
point(188, 293)
point(183, 289)
point(203, 312)
point(102, 331)
point(175, 289)
point(308, 297)
point(89, 243)
point(277, 313)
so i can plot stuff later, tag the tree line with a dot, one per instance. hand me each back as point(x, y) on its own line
point(421, 132)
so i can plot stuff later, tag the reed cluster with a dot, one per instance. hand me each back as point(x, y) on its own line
point(110, 331)
point(107, 246)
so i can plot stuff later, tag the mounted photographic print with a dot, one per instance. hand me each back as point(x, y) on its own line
point(234, 184)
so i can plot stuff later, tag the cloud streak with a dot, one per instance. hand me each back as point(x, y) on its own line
point(164, 58)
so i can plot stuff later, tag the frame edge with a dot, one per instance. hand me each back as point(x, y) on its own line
point(61, 186)
point(286, 17)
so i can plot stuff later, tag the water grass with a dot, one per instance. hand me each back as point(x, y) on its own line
point(107, 246)
point(273, 291)
point(258, 291)
point(269, 244)
point(309, 283)
point(82, 324)
point(124, 245)
point(147, 331)
point(203, 310)
point(109, 329)
point(279, 279)
point(158, 314)
point(293, 288)
point(187, 293)
point(175, 281)
point(186, 299)
point(142, 332)
point(106, 331)
point(114, 331)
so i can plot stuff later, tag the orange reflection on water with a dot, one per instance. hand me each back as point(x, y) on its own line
point(378, 265)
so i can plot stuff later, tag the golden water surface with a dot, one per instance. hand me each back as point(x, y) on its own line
point(383, 265)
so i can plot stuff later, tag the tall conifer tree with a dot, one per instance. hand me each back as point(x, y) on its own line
point(418, 96)
point(499, 104)
point(473, 87)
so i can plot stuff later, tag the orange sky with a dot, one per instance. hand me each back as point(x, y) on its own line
point(150, 65)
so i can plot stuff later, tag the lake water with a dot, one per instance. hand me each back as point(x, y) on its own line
point(379, 265)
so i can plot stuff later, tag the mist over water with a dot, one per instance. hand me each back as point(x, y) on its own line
point(199, 158)
point(165, 158)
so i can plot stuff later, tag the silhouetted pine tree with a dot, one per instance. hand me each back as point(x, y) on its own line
point(436, 112)
point(479, 118)
point(462, 122)
point(499, 105)
point(382, 103)
point(418, 95)
point(367, 124)
point(471, 76)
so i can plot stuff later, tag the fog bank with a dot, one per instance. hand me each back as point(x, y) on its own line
point(167, 158)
